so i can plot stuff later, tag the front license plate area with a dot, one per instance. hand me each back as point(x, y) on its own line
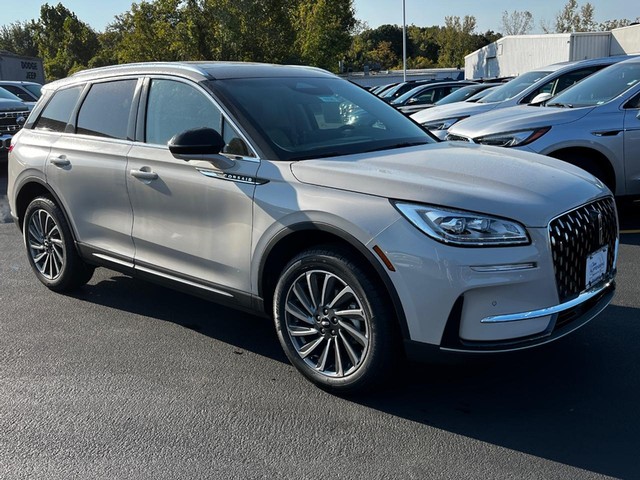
point(596, 266)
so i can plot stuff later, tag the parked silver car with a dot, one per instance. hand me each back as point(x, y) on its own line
point(530, 87)
point(254, 186)
point(595, 125)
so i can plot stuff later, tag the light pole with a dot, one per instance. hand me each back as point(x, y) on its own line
point(404, 43)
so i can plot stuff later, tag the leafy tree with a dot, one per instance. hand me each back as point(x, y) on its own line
point(384, 55)
point(63, 41)
point(516, 23)
point(19, 38)
point(456, 40)
point(323, 30)
point(572, 19)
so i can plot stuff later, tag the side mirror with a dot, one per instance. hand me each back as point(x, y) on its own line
point(200, 144)
point(540, 98)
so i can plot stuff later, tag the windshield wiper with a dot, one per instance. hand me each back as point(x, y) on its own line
point(561, 105)
point(397, 145)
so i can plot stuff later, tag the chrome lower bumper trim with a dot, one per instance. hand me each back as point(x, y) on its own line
point(543, 312)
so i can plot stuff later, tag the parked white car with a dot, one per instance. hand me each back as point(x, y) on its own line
point(542, 83)
point(595, 125)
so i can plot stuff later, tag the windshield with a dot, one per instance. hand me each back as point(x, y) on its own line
point(461, 94)
point(402, 99)
point(8, 95)
point(302, 118)
point(514, 87)
point(601, 87)
point(34, 88)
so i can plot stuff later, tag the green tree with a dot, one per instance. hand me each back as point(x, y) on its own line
point(323, 29)
point(456, 40)
point(19, 38)
point(64, 42)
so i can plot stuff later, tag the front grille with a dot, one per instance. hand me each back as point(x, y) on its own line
point(577, 234)
point(9, 121)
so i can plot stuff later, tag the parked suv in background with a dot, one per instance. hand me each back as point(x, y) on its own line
point(25, 91)
point(594, 124)
point(541, 83)
point(295, 194)
point(13, 114)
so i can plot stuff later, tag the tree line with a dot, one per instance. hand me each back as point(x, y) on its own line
point(322, 33)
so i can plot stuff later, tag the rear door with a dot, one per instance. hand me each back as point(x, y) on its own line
point(86, 167)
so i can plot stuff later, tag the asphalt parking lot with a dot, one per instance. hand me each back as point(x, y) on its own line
point(126, 379)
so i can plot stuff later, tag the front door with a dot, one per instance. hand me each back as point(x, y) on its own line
point(191, 221)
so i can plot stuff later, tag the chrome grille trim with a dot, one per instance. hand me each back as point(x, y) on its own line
point(574, 235)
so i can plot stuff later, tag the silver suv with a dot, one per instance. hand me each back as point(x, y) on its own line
point(594, 124)
point(292, 193)
point(529, 88)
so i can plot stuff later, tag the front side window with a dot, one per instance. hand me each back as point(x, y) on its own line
point(562, 82)
point(514, 87)
point(106, 109)
point(57, 113)
point(173, 107)
point(601, 87)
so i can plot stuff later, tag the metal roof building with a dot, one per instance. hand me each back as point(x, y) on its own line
point(514, 55)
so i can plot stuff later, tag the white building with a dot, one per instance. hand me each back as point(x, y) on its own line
point(513, 55)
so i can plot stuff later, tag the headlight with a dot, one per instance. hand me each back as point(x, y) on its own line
point(443, 124)
point(457, 227)
point(513, 139)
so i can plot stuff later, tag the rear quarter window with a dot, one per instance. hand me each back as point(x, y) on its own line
point(57, 113)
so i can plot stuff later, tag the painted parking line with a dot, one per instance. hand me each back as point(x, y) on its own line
point(629, 231)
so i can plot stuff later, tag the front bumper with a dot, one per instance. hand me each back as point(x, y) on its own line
point(483, 299)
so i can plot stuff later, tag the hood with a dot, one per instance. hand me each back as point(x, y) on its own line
point(13, 106)
point(452, 110)
point(526, 187)
point(516, 118)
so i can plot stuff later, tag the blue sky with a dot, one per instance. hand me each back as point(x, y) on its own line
point(375, 12)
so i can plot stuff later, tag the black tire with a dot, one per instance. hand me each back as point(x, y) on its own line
point(342, 343)
point(51, 249)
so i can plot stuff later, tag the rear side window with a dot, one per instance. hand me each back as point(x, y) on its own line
point(105, 111)
point(57, 113)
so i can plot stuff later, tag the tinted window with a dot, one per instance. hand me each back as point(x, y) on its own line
point(601, 87)
point(514, 87)
point(8, 95)
point(562, 82)
point(300, 118)
point(105, 111)
point(235, 145)
point(174, 107)
point(18, 92)
point(56, 114)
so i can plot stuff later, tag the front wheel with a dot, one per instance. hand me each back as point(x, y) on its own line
point(333, 323)
point(50, 247)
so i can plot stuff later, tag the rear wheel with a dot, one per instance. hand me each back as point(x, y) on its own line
point(50, 247)
point(333, 322)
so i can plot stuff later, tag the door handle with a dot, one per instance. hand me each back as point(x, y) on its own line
point(60, 161)
point(144, 174)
